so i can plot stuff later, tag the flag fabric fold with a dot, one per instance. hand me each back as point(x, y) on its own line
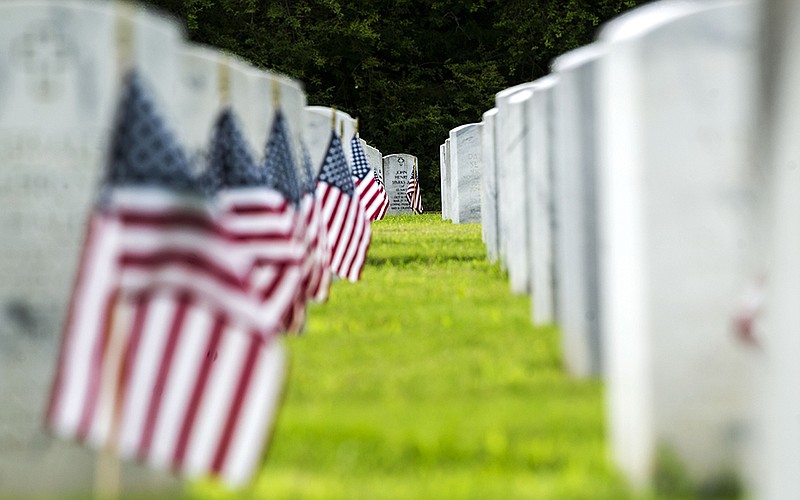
point(169, 355)
point(370, 191)
point(346, 224)
point(413, 192)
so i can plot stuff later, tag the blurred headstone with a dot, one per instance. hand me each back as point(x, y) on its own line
point(575, 205)
point(539, 193)
point(61, 68)
point(489, 185)
point(675, 92)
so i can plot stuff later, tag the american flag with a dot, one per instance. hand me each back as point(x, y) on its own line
point(154, 365)
point(346, 224)
point(413, 192)
point(371, 192)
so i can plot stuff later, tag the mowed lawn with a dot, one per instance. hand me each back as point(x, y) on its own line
point(427, 380)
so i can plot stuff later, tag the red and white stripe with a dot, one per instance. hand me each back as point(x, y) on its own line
point(347, 229)
point(177, 386)
point(372, 195)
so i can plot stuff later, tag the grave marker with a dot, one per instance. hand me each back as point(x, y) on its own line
point(575, 189)
point(489, 185)
point(674, 105)
point(396, 174)
point(465, 171)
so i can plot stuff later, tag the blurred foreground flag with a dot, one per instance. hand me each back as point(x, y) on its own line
point(346, 223)
point(372, 193)
point(166, 357)
point(413, 191)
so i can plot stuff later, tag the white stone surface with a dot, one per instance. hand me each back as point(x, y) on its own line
point(447, 197)
point(443, 178)
point(318, 123)
point(396, 174)
point(61, 75)
point(374, 157)
point(512, 141)
point(465, 161)
point(675, 96)
point(539, 193)
point(489, 186)
point(777, 453)
point(575, 204)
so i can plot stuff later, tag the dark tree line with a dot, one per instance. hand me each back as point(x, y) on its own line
point(410, 70)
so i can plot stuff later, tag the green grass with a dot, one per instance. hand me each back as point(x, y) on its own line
point(427, 380)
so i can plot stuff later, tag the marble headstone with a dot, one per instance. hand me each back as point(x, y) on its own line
point(447, 195)
point(512, 136)
point(776, 453)
point(575, 205)
point(489, 185)
point(374, 157)
point(318, 125)
point(674, 96)
point(61, 79)
point(539, 192)
point(465, 161)
point(443, 178)
point(397, 170)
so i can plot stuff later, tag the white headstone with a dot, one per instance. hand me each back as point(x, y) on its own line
point(447, 196)
point(575, 204)
point(489, 185)
point(347, 129)
point(674, 105)
point(465, 161)
point(396, 174)
point(198, 98)
point(374, 157)
point(512, 135)
point(60, 84)
point(443, 178)
point(539, 192)
point(777, 178)
point(318, 124)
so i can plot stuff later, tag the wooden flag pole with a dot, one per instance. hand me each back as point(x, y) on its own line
point(276, 92)
point(333, 119)
point(224, 82)
point(357, 134)
point(341, 130)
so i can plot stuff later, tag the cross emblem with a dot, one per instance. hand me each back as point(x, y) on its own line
point(43, 52)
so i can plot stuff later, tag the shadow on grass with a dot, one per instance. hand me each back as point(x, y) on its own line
point(405, 259)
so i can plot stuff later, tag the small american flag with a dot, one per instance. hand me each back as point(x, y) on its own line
point(372, 193)
point(154, 364)
point(413, 192)
point(346, 224)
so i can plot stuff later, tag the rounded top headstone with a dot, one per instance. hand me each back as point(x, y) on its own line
point(578, 57)
point(647, 18)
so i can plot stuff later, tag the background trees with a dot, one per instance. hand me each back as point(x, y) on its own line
point(410, 70)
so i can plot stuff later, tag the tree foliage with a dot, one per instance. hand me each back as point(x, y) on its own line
point(410, 70)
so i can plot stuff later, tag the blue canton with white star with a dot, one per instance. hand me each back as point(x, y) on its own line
point(279, 163)
point(360, 164)
point(231, 164)
point(144, 151)
point(335, 170)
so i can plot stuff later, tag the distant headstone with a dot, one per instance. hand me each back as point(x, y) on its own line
point(61, 73)
point(447, 195)
point(675, 97)
point(443, 178)
point(512, 136)
point(489, 185)
point(465, 161)
point(374, 157)
point(540, 197)
point(575, 184)
point(396, 174)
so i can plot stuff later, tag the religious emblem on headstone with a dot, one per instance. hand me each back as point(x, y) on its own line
point(43, 52)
